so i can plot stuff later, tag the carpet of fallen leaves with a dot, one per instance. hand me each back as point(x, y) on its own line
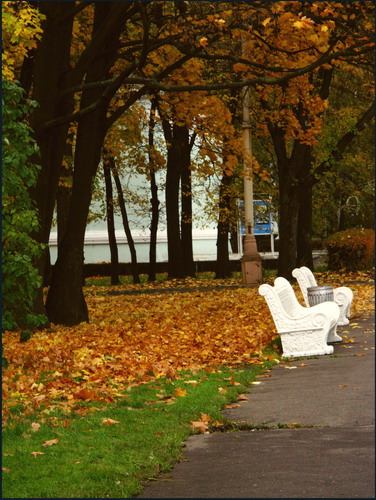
point(132, 339)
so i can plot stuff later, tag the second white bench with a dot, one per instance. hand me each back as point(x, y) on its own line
point(343, 295)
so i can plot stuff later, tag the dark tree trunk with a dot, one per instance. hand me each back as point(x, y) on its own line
point(304, 236)
point(127, 230)
point(26, 73)
point(51, 64)
point(223, 227)
point(62, 206)
point(288, 223)
point(186, 207)
point(64, 193)
point(293, 173)
point(175, 141)
point(110, 222)
point(65, 302)
point(174, 246)
point(154, 201)
point(234, 241)
point(227, 205)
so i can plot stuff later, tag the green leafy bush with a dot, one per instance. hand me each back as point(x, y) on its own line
point(19, 216)
point(351, 250)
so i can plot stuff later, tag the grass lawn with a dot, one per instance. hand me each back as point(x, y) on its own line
point(108, 453)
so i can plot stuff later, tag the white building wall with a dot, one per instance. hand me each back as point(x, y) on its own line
point(97, 249)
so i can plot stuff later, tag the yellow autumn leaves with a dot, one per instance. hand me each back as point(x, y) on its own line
point(134, 338)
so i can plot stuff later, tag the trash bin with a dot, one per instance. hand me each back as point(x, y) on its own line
point(318, 294)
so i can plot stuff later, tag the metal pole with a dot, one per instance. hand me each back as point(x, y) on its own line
point(248, 182)
point(251, 260)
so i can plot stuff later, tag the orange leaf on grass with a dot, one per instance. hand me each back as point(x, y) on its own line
point(180, 393)
point(51, 442)
point(109, 421)
point(232, 380)
point(200, 425)
point(205, 417)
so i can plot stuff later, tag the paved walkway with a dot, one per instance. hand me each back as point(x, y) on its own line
point(331, 454)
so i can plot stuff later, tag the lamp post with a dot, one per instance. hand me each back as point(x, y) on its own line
point(251, 260)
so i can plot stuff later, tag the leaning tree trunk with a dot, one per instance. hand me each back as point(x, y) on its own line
point(127, 230)
point(50, 68)
point(65, 302)
point(110, 222)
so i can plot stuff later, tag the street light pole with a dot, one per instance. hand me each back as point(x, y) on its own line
point(251, 260)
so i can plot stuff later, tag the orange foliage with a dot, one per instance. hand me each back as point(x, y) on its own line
point(135, 338)
point(130, 340)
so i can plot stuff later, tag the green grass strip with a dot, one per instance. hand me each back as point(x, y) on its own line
point(92, 460)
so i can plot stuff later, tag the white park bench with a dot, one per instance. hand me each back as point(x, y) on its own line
point(343, 295)
point(304, 331)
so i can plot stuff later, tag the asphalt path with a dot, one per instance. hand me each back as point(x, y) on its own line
point(313, 435)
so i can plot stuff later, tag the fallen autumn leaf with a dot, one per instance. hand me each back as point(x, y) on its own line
point(51, 442)
point(109, 421)
point(200, 425)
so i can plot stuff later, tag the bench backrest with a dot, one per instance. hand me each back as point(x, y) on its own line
point(310, 276)
point(281, 301)
point(305, 279)
point(287, 296)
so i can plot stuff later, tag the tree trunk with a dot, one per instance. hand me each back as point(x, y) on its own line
point(174, 164)
point(293, 171)
point(288, 224)
point(304, 236)
point(65, 302)
point(234, 241)
point(51, 64)
point(186, 207)
point(127, 230)
point(223, 227)
point(110, 222)
point(154, 201)
point(64, 193)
